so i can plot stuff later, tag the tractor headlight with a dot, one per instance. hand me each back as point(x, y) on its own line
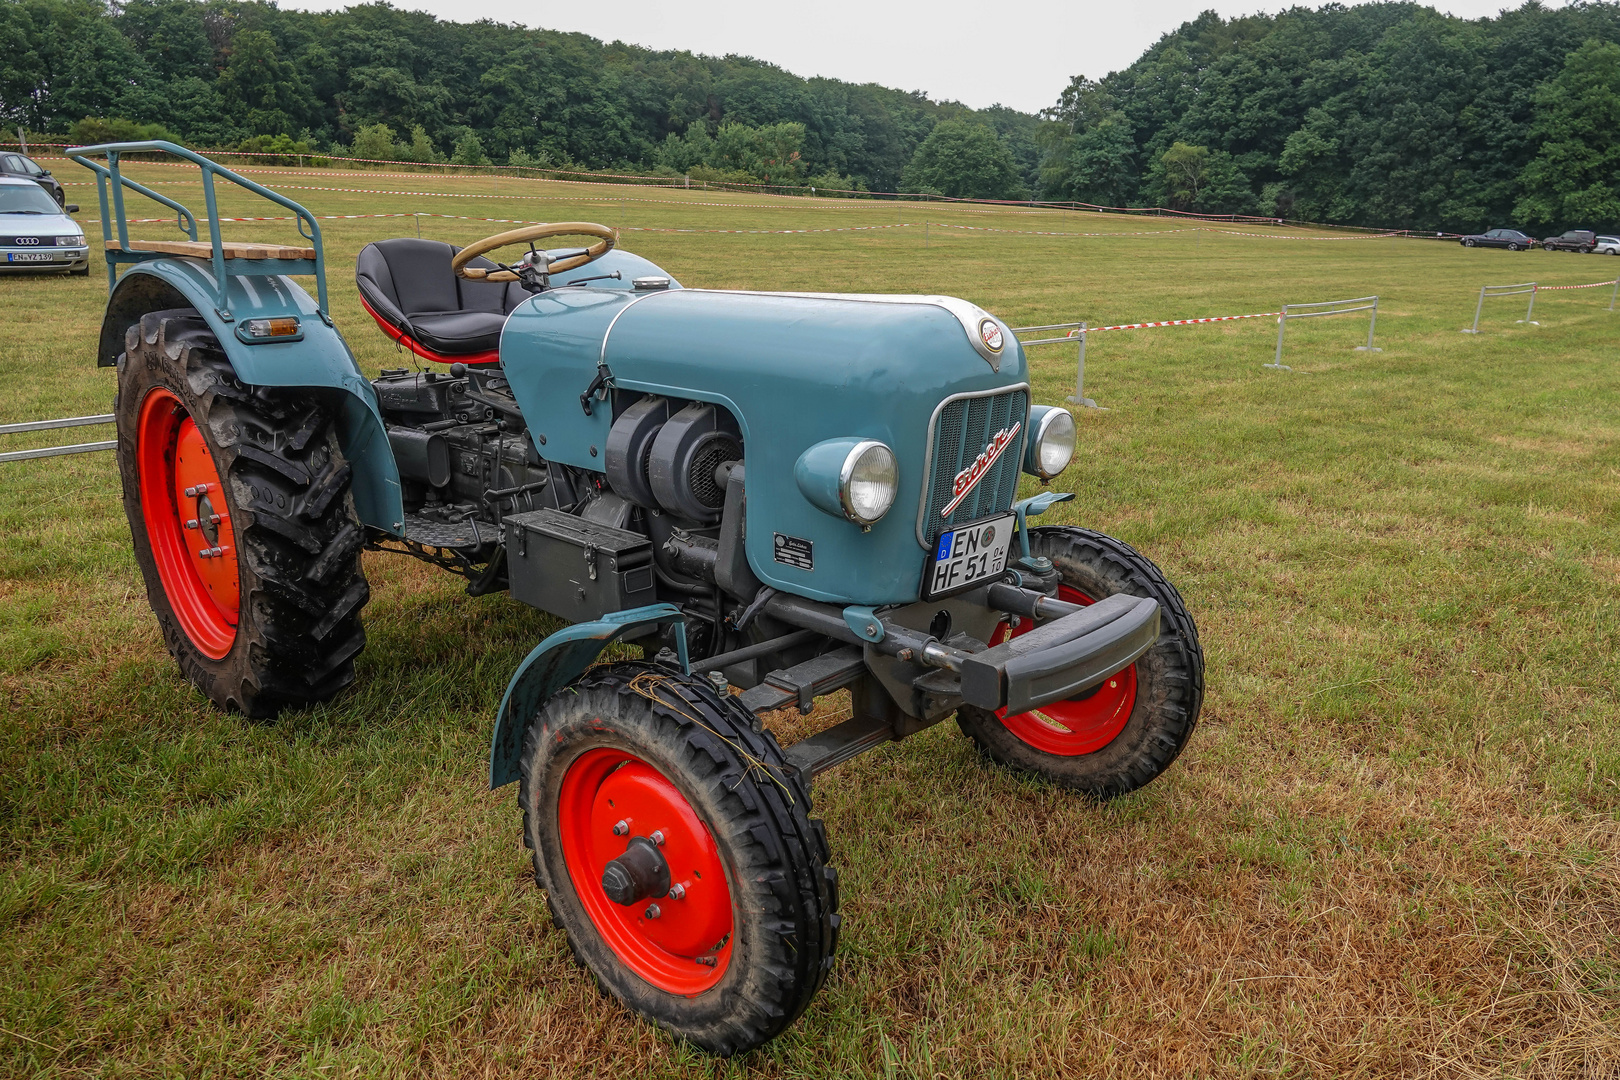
point(868, 482)
point(1051, 443)
point(855, 479)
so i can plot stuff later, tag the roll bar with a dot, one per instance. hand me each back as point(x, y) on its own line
point(113, 215)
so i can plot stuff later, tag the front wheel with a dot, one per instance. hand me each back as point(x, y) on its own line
point(1549, 247)
point(677, 853)
point(1468, 243)
point(1124, 732)
point(241, 519)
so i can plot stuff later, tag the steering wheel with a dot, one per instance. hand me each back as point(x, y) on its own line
point(607, 240)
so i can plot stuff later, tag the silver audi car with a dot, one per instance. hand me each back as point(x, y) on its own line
point(36, 235)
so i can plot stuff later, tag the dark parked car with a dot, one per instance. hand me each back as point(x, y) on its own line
point(29, 169)
point(1574, 240)
point(1512, 239)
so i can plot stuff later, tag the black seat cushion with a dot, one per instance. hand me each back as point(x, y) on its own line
point(410, 284)
point(458, 333)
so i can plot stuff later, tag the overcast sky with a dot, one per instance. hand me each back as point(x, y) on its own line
point(974, 52)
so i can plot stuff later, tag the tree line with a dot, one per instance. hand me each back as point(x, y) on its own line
point(375, 81)
point(1384, 114)
point(1389, 115)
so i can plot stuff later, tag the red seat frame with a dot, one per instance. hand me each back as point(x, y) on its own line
point(489, 356)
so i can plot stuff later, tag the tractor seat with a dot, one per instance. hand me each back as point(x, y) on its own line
point(409, 288)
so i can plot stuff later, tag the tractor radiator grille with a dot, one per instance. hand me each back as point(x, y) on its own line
point(961, 430)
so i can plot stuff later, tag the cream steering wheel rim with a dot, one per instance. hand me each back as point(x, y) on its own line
point(607, 239)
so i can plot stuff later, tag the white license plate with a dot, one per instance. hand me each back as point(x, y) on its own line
point(968, 556)
point(30, 256)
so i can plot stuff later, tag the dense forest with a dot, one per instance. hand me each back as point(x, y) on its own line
point(1386, 114)
point(216, 72)
point(1381, 114)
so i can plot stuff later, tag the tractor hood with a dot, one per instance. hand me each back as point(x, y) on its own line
point(794, 369)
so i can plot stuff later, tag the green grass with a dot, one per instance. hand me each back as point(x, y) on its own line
point(1390, 849)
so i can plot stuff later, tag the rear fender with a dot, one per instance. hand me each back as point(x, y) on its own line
point(558, 661)
point(321, 359)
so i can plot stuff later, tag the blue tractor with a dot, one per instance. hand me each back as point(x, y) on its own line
point(776, 496)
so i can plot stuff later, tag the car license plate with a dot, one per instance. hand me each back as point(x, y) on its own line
point(30, 256)
point(968, 556)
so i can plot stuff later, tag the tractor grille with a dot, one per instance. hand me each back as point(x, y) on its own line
point(961, 429)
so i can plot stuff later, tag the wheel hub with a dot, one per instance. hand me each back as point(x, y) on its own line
point(188, 523)
point(1084, 723)
point(646, 870)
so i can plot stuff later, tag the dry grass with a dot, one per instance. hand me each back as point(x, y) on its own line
point(1392, 848)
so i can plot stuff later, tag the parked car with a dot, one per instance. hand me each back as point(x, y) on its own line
point(36, 234)
point(28, 169)
point(1512, 239)
point(1608, 245)
point(1575, 240)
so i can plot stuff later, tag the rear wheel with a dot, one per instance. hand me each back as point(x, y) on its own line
point(677, 853)
point(1123, 733)
point(243, 527)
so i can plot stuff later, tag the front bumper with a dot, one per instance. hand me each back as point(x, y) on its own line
point(1062, 658)
point(70, 258)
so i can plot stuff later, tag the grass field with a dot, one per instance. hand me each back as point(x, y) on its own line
point(1391, 849)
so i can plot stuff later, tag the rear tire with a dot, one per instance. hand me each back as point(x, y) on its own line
point(254, 575)
point(735, 959)
point(1122, 734)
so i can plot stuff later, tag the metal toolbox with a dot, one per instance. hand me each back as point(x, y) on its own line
point(577, 569)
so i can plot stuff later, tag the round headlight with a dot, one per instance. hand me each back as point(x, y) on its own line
point(1052, 447)
point(868, 482)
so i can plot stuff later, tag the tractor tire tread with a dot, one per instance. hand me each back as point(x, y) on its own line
point(302, 584)
point(794, 892)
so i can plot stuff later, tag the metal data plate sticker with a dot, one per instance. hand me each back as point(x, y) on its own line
point(794, 551)
point(969, 556)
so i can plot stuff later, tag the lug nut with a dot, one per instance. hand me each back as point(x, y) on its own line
point(652, 911)
point(678, 892)
point(191, 523)
point(191, 492)
point(657, 837)
point(620, 828)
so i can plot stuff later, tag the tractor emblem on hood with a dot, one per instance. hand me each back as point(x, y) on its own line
point(969, 478)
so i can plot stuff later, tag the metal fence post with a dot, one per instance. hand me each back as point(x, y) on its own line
point(1079, 397)
point(1614, 294)
point(1282, 325)
point(1479, 307)
point(1527, 311)
point(1371, 325)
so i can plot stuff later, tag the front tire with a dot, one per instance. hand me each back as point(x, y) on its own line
point(243, 526)
point(733, 933)
point(1123, 733)
point(1468, 243)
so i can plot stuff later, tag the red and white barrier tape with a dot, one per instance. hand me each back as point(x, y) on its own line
point(1594, 285)
point(1175, 322)
point(522, 221)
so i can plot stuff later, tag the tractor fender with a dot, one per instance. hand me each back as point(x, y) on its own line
point(558, 661)
point(320, 358)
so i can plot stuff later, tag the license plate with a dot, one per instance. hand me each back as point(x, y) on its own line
point(968, 556)
point(30, 256)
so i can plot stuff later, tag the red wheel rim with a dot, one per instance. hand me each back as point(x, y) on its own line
point(188, 523)
point(1080, 725)
point(685, 947)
